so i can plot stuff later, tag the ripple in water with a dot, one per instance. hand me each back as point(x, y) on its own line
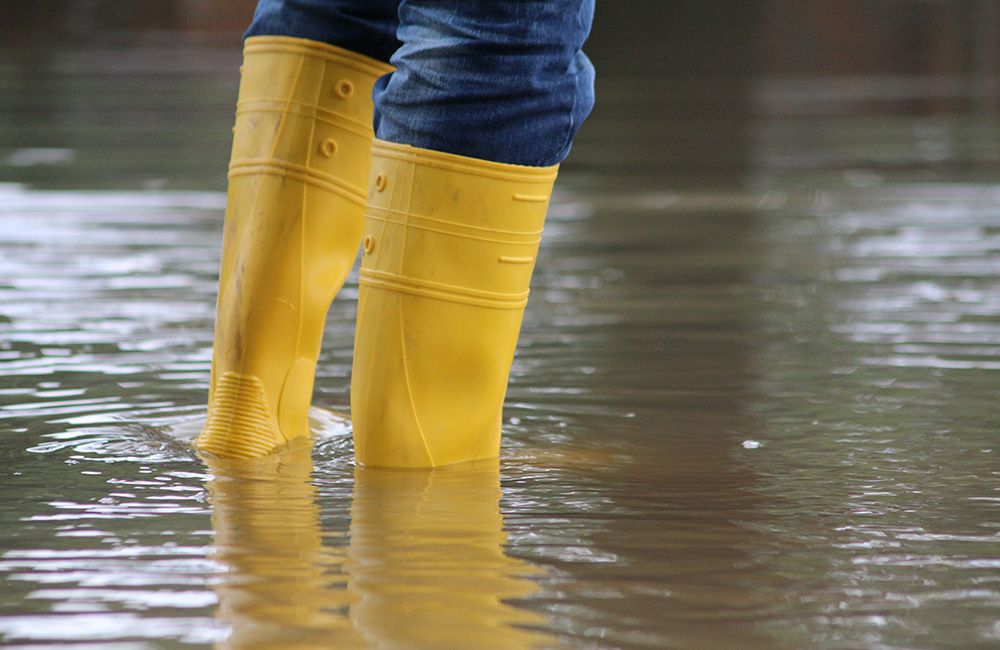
point(770, 424)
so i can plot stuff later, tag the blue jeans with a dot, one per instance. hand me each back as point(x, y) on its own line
point(500, 80)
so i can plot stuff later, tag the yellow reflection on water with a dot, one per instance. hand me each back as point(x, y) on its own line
point(426, 560)
point(424, 566)
point(285, 588)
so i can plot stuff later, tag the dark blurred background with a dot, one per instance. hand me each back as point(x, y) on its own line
point(103, 93)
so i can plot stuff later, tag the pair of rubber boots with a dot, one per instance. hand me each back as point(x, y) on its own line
point(448, 242)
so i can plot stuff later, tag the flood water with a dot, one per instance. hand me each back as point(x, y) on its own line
point(755, 402)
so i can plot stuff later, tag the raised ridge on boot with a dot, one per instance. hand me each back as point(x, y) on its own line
point(238, 423)
point(448, 251)
point(294, 216)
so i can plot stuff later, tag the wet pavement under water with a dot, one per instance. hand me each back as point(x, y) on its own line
point(758, 412)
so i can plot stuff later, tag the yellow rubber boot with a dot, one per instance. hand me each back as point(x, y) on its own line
point(297, 186)
point(449, 247)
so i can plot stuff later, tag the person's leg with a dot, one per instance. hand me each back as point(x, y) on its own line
point(367, 27)
point(297, 187)
point(505, 80)
point(483, 105)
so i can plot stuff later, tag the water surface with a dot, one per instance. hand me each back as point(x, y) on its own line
point(754, 414)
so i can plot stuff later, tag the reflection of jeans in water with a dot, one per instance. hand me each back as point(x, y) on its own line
point(501, 80)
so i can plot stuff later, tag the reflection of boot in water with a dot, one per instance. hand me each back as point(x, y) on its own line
point(426, 564)
point(283, 588)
